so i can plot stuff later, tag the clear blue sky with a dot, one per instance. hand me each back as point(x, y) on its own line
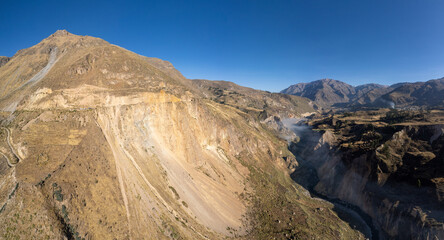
point(267, 45)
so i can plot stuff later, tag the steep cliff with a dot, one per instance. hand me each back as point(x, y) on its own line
point(393, 173)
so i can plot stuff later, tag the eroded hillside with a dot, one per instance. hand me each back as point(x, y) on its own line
point(100, 143)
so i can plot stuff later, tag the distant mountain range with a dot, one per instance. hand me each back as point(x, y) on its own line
point(327, 93)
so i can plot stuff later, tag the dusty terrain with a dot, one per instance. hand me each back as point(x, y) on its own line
point(98, 142)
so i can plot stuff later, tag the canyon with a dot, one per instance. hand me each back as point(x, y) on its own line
point(392, 174)
point(98, 142)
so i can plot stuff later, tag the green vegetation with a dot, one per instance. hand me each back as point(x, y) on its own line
point(57, 192)
point(348, 114)
point(41, 182)
point(64, 212)
point(397, 116)
point(272, 211)
point(176, 195)
point(3, 208)
point(13, 191)
point(70, 230)
point(372, 138)
point(173, 233)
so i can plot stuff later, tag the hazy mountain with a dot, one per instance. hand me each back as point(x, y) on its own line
point(364, 89)
point(328, 92)
point(324, 92)
point(429, 94)
point(367, 94)
point(98, 142)
point(332, 93)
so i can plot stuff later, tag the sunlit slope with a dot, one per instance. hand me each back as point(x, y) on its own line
point(115, 145)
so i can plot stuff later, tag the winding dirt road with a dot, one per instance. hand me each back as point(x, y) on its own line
point(7, 160)
point(8, 140)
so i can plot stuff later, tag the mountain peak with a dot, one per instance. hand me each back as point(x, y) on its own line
point(329, 80)
point(61, 33)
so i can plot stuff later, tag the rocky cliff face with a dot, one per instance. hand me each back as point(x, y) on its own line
point(393, 174)
point(99, 143)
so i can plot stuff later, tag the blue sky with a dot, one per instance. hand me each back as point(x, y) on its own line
point(266, 45)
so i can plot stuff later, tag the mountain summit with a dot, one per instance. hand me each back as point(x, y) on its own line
point(60, 33)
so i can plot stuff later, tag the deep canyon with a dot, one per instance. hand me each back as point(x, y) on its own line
point(394, 209)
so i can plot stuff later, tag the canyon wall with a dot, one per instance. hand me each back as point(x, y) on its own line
point(399, 185)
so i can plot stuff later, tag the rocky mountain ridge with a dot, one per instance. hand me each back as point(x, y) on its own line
point(429, 94)
point(324, 92)
point(329, 93)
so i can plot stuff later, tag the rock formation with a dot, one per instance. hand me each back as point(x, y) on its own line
point(393, 173)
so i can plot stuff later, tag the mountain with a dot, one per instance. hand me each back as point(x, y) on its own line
point(332, 93)
point(328, 92)
point(98, 142)
point(324, 92)
point(428, 94)
point(371, 96)
point(366, 91)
